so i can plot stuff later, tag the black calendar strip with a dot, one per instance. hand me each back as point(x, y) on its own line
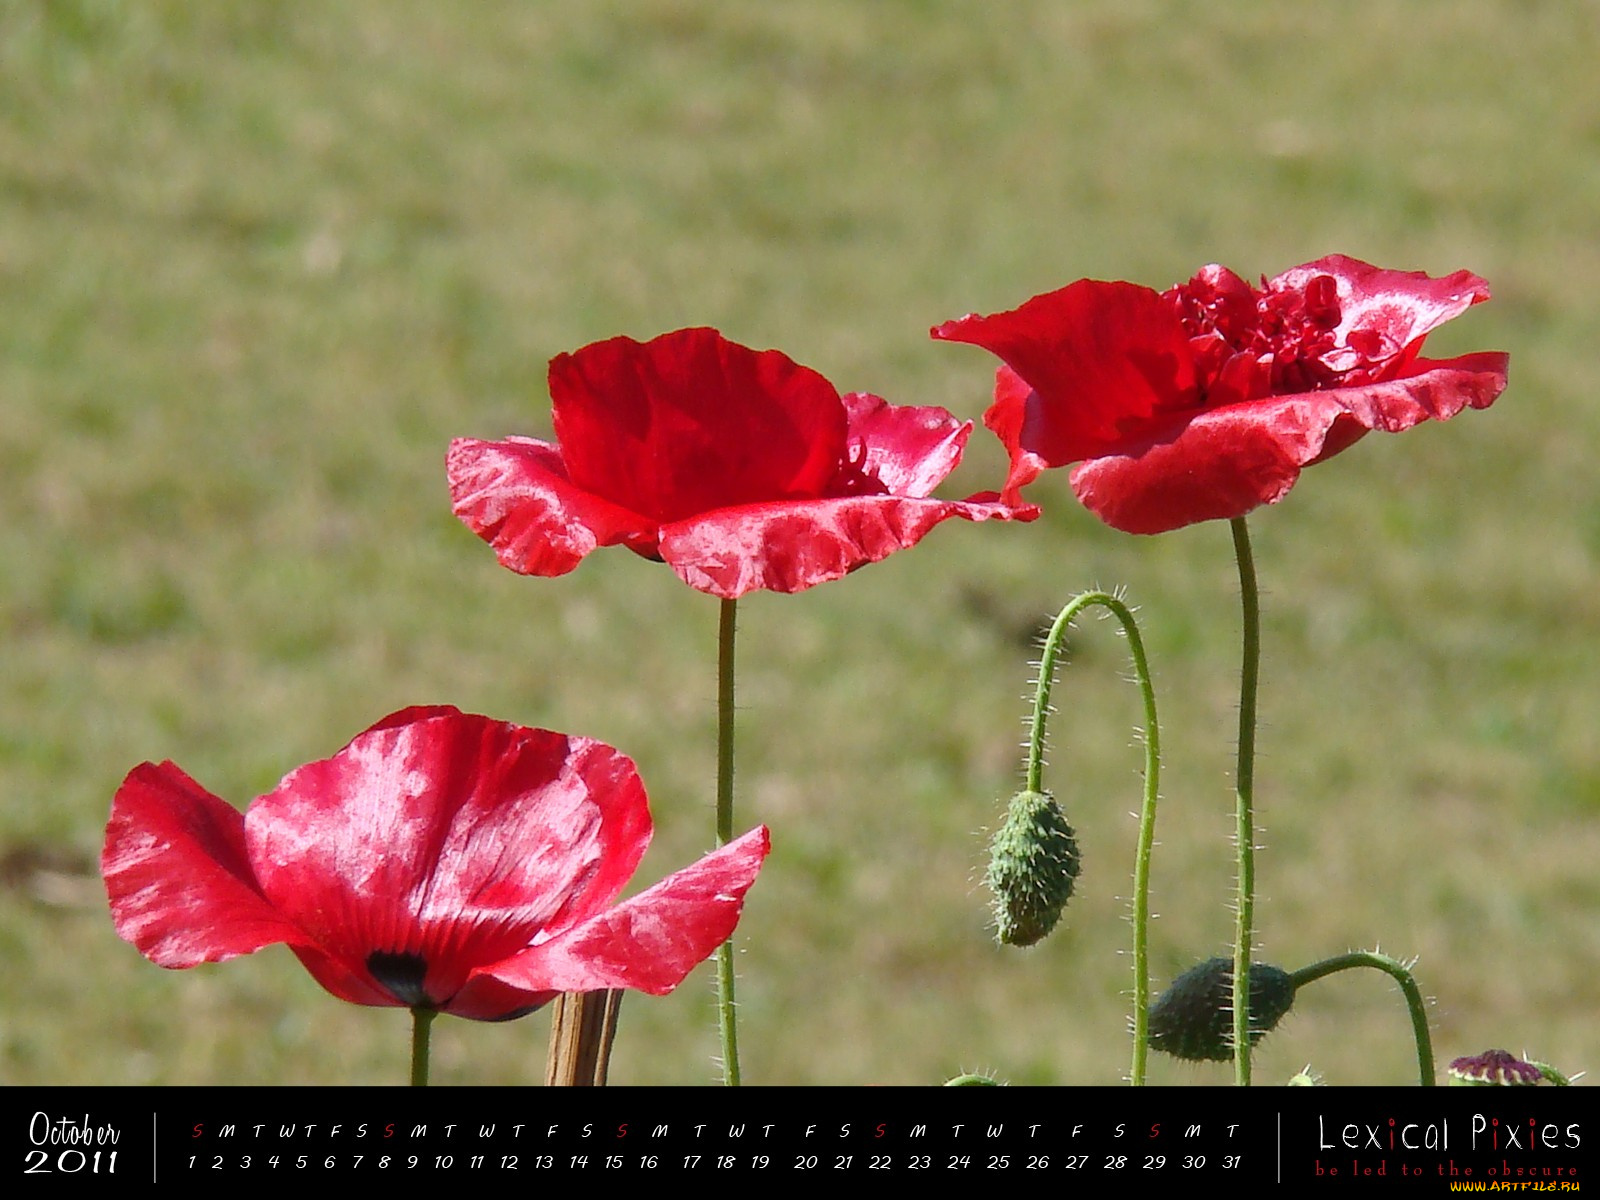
point(1325, 1139)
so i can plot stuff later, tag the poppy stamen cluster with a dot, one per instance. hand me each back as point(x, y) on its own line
point(1283, 338)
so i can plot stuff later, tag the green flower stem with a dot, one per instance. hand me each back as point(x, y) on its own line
point(1152, 790)
point(1244, 789)
point(421, 1023)
point(1401, 975)
point(725, 1017)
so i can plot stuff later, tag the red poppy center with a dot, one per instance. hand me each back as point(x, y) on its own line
point(1279, 340)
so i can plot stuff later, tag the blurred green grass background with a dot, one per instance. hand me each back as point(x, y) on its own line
point(260, 261)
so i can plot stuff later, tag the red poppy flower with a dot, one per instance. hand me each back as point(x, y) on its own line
point(1206, 401)
point(739, 468)
point(439, 861)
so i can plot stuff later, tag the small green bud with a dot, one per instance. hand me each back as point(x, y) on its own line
point(1193, 1018)
point(972, 1080)
point(1306, 1076)
point(1033, 864)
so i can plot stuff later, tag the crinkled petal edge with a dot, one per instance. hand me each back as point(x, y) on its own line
point(516, 496)
point(792, 546)
point(1225, 462)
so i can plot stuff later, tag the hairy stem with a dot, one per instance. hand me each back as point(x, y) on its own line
point(725, 1003)
point(1408, 986)
point(1152, 789)
point(1244, 790)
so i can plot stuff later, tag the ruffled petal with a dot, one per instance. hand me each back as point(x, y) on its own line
point(791, 547)
point(652, 941)
point(689, 422)
point(1221, 464)
point(908, 449)
point(452, 840)
point(516, 496)
point(1432, 390)
point(1401, 307)
point(178, 877)
point(1107, 360)
point(1225, 462)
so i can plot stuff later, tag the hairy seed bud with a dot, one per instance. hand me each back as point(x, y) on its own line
point(1033, 864)
point(1193, 1018)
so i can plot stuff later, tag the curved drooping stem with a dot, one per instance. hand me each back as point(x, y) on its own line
point(1152, 790)
point(1244, 790)
point(1401, 974)
point(725, 1003)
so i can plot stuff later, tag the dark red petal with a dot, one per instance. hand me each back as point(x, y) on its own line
point(1400, 306)
point(1228, 461)
point(790, 547)
point(1221, 464)
point(689, 422)
point(347, 981)
point(653, 940)
point(908, 449)
point(1106, 359)
point(1016, 407)
point(454, 838)
point(486, 998)
point(516, 496)
point(177, 874)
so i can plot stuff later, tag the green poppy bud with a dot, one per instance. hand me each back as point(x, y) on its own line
point(1193, 1018)
point(1033, 864)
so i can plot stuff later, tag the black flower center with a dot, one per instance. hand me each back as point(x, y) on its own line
point(401, 975)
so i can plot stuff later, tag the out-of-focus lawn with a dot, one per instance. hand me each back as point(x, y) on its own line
point(260, 262)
